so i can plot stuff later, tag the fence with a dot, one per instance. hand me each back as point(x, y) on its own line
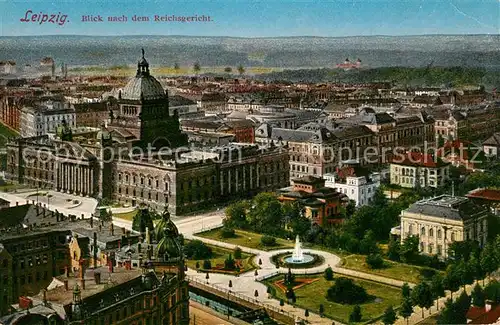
point(228, 294)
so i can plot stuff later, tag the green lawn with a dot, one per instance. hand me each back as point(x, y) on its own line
point(246, 239)
point(219, 255)
point(312, 295)
point(393, 270)
point(127, 215)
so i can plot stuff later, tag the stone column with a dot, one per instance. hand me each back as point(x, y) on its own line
point(86, 181)
point(229, 180)
point(91, 182)
point(221, 183)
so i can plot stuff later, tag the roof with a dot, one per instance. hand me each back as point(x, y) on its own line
point(485, 194)
point(478, 315)
point(309, 179)
point(413, 158)
point(494, 140)
point(448, 207)
point(144, 87)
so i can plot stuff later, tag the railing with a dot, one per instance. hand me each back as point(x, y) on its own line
point(228, 294)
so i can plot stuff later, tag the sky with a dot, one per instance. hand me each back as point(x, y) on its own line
point(239, 18)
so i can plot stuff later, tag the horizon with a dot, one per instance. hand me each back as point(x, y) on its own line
point(256, 19)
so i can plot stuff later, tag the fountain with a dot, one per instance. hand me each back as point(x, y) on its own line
point(298, 256)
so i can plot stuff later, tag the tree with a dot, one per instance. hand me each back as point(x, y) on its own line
point(390, 316)
point(462, 307)
point(422, 296)
point(321, 310)
point(227, 232)
point(452, 279)
point(237, 253)
point(328, 274)
point(196, 67)
point(282, 302)
point(394, 249)
point(236, 215)
point(449, 314)
point(489, 262)
point(229, 263)
point(355, 315)
point(290, 295)
point(260, 261)
point(241, 70)
point(268, 240)
point(207, 265)
point(228, 69)
point(405, 291)
point(406, 309)
point(409, 249)
point(477, 295)
point(197, 265)
point(437, 287)
point(256, 293)
point(207, 277)
point(306, 313)
point(345, 291)
point(465, 273)
point(230, 285)
point(197, 250)
point(492, 291)
point(266, 210)
point(368, 244)
point(375, 261)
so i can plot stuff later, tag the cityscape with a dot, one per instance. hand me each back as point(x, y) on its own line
point(160, 179)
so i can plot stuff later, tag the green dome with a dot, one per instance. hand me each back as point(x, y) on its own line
point(167, 236)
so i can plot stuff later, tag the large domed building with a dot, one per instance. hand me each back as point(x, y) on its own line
point(142, 110)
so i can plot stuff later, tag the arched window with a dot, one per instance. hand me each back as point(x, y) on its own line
point(431, 248)
point(410, 229)
point(453, 236)
point(422, 231)
point(439, 234)
point(166, 186)
point(431, 232)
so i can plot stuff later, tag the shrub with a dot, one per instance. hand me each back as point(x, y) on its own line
point(375, 261)
point(345, 291)
point(427, 273)
point(355, 316)
point(328, 274)
point(207, 265)
point(237, 253)
point(268, 240)
point(197, 250)
point(227, 232)
point(229, 263)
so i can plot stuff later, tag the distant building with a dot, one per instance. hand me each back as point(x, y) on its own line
point(46, 118)
point(488, 197)
point(442, 220)
point(348, 65)
point(322, 204)
point(355, 182)
point(491, 146)
point(416, 169)
point(8, 67)
point(91, 114)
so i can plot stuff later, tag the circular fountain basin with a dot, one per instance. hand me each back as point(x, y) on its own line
point(306, 258)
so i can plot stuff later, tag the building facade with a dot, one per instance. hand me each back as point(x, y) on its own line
point(442, 220)
point(358, 186)
point(415, 169)
point(41, 120)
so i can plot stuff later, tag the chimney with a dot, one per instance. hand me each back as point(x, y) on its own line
point(83, 217)
point(97, 278)
point(66, 286)
point(112, 229)
point(487, 305)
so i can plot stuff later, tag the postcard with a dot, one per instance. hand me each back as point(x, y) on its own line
point(190, 162)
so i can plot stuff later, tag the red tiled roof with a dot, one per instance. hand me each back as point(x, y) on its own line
point(417, 159)
point(485, 193)
point(478, 315)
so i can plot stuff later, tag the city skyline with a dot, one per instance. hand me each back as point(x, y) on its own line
point(258, 19)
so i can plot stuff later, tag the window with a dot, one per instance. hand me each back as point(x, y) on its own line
point(431, 232)
point(431, 248)
point(439, 234)
point(422, 247)
point(422, 231)
point(453, 236)
point(410, 229)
